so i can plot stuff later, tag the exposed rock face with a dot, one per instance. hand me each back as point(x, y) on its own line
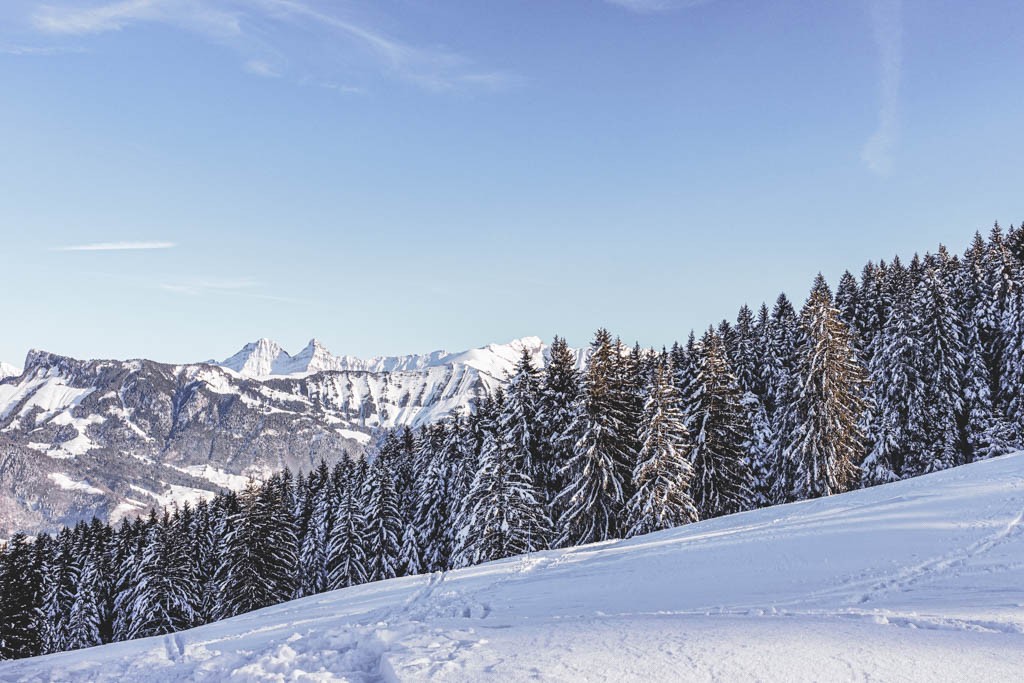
point(114, 438)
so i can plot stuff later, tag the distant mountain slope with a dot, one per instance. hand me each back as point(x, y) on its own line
point(913, 581)
point(8, 370)
point(112, 438)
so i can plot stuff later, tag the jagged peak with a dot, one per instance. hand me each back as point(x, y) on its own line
point(36, 358)
point(266, 358)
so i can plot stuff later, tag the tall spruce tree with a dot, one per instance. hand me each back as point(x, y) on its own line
point(593, 499)
point(661, 477)
point(165, 592)
point(434, 516)
point(559, 395)
point(518, 419)
point(258, 565)
point(718, 425)
point(346, 552)
point(827, 444)
point(937, 328)
point(503, 515)
point(384, 524)
point(20, 590)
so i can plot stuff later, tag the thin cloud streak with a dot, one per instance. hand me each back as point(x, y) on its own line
point(887, 27)
point(231, 22)
point(118, 246)
point(241, 287)
point(201, 286)
point(37, 50)
point(656, 6)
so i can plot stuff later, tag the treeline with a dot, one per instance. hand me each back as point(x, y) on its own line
point(908, 369)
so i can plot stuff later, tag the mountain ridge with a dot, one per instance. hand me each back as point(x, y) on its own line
point(266, 358)
point(113, 438)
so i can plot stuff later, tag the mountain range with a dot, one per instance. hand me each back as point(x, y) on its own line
point(113, 438)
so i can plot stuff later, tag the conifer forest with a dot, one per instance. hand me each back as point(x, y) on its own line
point(909, 368)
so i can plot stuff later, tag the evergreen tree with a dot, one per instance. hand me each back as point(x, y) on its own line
point(937, 328)
point(435, 505)
point(346, 555)
point(60, 575)
point(84, 615)
point(594, 495)
point(165, 591)
point(848, 302)
point(745, 358)
point(661, 478)
point(897, 426)
point(409, 557)
point(719, 429)
point(384, 523)
point(827, 444)
point(781, 335)
point(518, 419)
point(20, 590)
point(558, 399)
point(257, 567)
point(503, 514)
point(312, 559)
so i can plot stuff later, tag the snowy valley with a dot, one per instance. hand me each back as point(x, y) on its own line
point(917, 580)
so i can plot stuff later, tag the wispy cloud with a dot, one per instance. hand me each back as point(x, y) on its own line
point(37, 50)
point(887, 26)
point(201, 286)
point(244, 287)
point(205, 16)
point(258, 67)
point(656, 6)
point(117, 246)
point(299, 31)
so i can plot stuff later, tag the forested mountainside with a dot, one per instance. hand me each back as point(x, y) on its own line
point(908, 370)
point(917, 580)
point(113, 438)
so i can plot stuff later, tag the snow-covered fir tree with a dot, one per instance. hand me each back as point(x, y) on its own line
point(346, 543)
point(560, 391)
point(718, 426)
point(593, 499)
point(827, 445)
point(503, 514)
point(661, 477)
point(20, 575)
point(384, 524)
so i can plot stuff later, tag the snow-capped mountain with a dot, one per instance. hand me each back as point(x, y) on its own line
point(266, 358)
point(112, 438)
point(8, 370)
point(919, 580)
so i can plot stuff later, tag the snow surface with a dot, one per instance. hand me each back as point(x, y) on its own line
point(8, 370)
point(918, 580)
point(68, 484)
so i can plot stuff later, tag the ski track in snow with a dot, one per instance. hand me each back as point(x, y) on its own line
point(918, 580)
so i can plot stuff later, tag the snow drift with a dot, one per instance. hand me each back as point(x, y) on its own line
point(916, 580)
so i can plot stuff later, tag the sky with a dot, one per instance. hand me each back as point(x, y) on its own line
point(179, 177)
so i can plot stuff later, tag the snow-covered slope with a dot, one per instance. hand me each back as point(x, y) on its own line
point(919, 580)
point(8, 370)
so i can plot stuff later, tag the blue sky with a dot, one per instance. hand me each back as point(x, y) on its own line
point(405, 175)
